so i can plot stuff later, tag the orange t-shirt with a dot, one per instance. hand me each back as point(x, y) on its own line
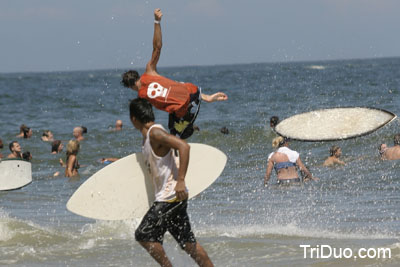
point(166, 94)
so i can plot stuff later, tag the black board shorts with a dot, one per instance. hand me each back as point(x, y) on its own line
point(162, 217)
point(184, 127)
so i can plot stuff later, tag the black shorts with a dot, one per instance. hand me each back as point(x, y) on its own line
point(162, 217)
point(184, 127)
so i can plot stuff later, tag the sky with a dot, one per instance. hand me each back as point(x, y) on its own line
point(55, 35)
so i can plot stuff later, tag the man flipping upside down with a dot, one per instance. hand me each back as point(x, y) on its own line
point(180, 100)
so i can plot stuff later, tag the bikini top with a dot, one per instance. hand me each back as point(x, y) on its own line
point(291, 154)
point(76, 164)
point(282, 165)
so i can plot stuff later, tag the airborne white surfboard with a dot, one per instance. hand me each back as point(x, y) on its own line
point(124, 190)
point(14, 174)
point(334, 123)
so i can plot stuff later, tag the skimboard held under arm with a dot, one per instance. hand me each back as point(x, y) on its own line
point(121, 190)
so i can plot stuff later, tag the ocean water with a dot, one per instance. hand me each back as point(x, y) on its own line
point(237, 220)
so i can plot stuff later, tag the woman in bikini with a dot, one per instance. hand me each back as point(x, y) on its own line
point(285, 162)
point(72, 165)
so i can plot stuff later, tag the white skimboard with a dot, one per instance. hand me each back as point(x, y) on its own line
point(14, 174)
point(334, 123)
point(124, 189)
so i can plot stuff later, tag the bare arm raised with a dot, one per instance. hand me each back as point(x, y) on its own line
point(151, 67)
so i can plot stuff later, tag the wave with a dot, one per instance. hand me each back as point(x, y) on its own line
point(289, 231)
point(11, 228)
point(25, 230)
point(26, 241)
point(316, 67)
point(5, 231)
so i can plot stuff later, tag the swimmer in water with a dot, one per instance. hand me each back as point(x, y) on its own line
point(273, 121)
point(78, 133)
point(56, 147)
point(381, 149)
point(72, 165)
point(118, 125)
point(391, 153)
point(27, 156)
point(108, 160)
point(47, 136)
point(21, 130)
point(285, 162)
point(335, 153)
point(15, 149)
point(25, 132)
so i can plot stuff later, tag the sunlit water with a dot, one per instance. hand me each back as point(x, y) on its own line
point(237, 220)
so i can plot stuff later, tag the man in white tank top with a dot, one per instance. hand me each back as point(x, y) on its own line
point(168, 212)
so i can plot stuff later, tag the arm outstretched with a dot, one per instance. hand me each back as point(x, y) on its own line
point(151, 67)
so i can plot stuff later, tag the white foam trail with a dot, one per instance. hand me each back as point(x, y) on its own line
point(111, 229)
point(5, 232)
point(317, 67)
point(396, 249)
point(290, 230)
point(88, 244)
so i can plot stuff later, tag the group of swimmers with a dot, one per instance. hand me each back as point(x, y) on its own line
point(285, 161)
point(71, 164)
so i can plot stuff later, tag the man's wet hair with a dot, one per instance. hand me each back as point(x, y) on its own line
point(26, 156)
point(11, 145)
point(21, 128)
point(381, 150)
point(396, 139)
point(224, 130)
point(142, 110)
point(333, 150)
point(273, 121)
point(26, 130)
point(84, 129)
point(55, 145)
point(46, 133)
point(129, 78)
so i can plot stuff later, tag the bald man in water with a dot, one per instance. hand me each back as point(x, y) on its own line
point(78, 133)
point(118, 125)
point(392, 153)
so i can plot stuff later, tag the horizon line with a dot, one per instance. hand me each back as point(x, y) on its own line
point(200, 65)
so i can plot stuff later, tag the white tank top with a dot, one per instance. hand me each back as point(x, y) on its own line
point(163, 170)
